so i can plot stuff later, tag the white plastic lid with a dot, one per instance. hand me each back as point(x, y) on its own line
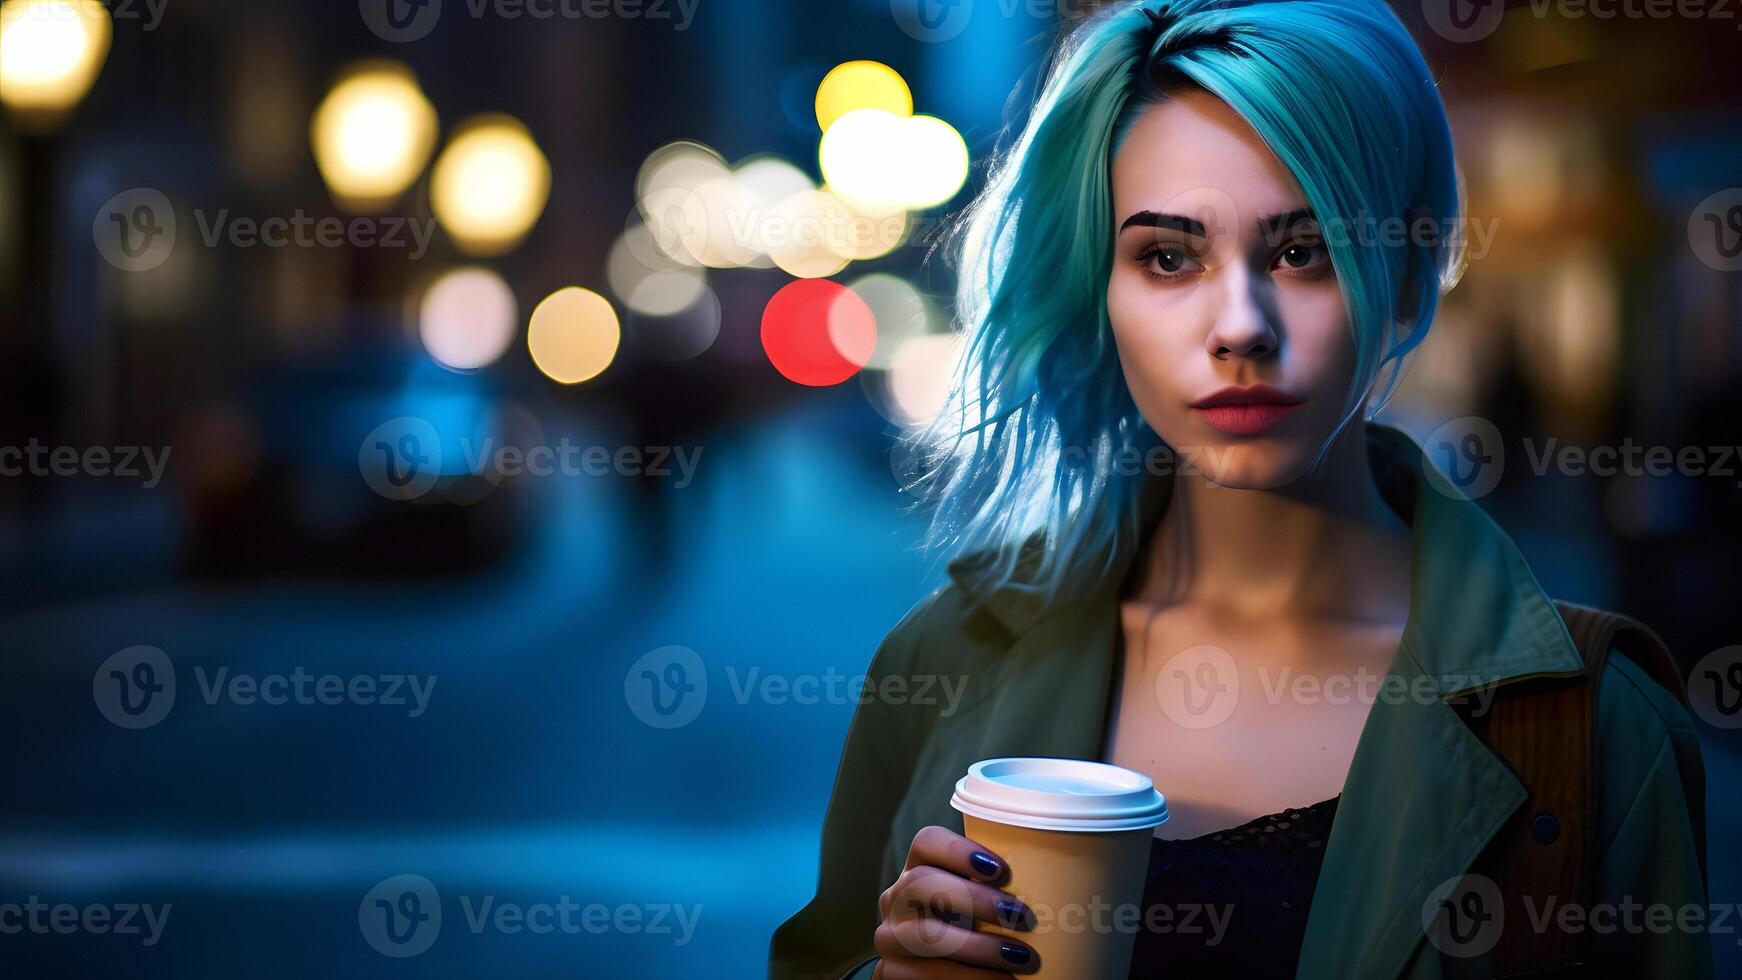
point(1060, 794)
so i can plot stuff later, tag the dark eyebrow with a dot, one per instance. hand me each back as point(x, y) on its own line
point(1178, 222)
point(1271, 226)
point(1276, 225)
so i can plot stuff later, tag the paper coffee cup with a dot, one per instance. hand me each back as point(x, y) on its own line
point(1076, 836)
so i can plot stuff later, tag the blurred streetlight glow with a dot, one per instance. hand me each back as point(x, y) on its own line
point(372, 135)
point(882, 163)
point(490, 185)
point(921, 373)
point(861, 85)
point(50, 53)
point(573, 335)
point(467, 319)
point(649, 282)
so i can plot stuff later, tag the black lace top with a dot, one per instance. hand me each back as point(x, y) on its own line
point(1232, 903)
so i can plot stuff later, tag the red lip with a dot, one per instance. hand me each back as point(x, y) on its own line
point(1246, 411)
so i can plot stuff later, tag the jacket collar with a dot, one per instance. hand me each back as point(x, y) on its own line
point(1424, 795)
point(1477, 615)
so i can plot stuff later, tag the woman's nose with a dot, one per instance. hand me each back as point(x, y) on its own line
point(1245, 325)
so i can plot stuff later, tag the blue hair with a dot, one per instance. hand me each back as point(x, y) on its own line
point(1340, 93)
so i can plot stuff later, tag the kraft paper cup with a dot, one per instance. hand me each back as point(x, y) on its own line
point(1076, 836)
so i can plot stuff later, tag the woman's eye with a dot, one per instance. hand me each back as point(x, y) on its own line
point(1167, 261)
point(1303, 257)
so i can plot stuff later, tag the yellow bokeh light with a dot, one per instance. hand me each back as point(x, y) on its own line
point(490, 185)
point(573, 335)
point(882, 164)
point(467, 319)
point(50, 53)
point(861, 85)
point(372, 135)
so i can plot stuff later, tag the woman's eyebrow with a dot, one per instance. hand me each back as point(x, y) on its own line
point(1152, 219)
point(1274, 226)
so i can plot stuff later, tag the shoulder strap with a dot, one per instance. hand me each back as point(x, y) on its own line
point(1544, 730)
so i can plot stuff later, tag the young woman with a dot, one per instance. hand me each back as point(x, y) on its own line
point(1183, 549)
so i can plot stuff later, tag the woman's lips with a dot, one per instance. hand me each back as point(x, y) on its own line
point(1245, 420)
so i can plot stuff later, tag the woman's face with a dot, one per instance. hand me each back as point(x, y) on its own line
point(1231, 330)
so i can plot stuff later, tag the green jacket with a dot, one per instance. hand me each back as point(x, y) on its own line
point(1423, 796)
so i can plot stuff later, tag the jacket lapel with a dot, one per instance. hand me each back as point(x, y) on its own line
point(1424, 796)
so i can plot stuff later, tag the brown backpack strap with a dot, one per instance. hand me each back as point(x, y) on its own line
point(1545, 732)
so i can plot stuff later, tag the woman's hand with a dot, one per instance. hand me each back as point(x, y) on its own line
point(928, 915)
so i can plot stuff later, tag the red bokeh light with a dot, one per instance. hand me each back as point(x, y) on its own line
point(817, 332)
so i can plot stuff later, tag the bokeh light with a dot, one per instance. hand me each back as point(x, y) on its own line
point(573, 335)
point(648, 281)
point(372, 135)
point(921, 373)
point(881, 163)
point(50, 54)
point(861, 85)
point(818, 332)
point(901, 312)
point(666, 195)
point(468, 318)
point(800, 231)
point(490, 185)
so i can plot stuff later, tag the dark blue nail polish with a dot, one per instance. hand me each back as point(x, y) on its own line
point(1015, 954)
point(984, 864)
point(1012, 914)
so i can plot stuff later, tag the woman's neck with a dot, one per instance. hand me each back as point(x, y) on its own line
point(1326, 546)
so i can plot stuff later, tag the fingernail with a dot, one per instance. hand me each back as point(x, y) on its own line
point(984, 864)
point(1012, 914)
point(1015, 954)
